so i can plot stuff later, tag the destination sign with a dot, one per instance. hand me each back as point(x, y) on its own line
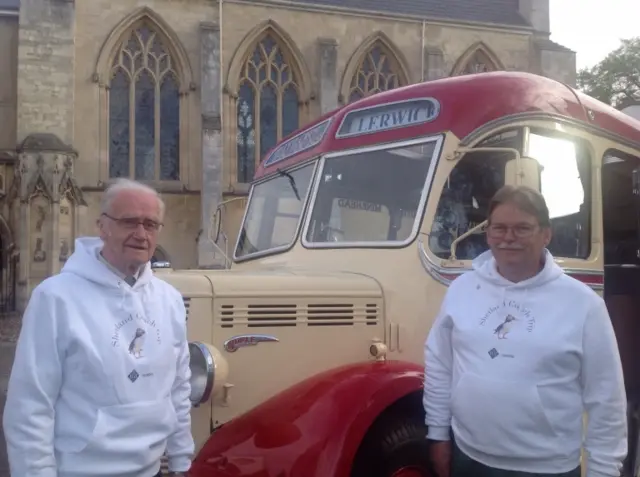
point(400, 114)
point(300, 142)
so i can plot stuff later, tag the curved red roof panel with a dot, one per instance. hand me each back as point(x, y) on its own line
point(459, 104)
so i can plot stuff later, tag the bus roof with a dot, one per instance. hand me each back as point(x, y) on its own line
point(460, 104)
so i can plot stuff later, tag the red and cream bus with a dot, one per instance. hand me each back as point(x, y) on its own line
point(307, 354)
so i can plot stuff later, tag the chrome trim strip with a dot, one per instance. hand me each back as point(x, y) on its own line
point(439, 273)
point(234, 343)
point(428, 266)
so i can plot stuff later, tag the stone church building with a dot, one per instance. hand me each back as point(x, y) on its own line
point(188, 95)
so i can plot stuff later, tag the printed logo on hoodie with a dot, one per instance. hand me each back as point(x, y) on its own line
point(510, 316)
point(132, 335)
point(505, 318)
point(133, 330)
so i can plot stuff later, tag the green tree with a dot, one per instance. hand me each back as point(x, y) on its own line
point(616, 79)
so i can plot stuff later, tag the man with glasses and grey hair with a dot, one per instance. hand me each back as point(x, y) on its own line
point(517, 356)
point(100, 382)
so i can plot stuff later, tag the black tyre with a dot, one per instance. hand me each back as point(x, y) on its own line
point(395, 447)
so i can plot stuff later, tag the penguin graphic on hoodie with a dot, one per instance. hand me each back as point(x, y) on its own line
point(135, 347)
point(504, 328)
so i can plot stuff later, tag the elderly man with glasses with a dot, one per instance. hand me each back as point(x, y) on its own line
point(100, 382)
point(518, 354)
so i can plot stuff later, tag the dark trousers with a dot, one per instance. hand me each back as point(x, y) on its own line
point(464, 466)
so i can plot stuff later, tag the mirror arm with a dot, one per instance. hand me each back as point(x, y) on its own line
point(460, 238)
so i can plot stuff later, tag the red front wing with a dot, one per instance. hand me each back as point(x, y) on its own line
point(312, 429)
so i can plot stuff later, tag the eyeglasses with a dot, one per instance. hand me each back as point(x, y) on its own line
point(519, 231)
point(131, 223)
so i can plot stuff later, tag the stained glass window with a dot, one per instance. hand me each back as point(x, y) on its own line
point(119, 125)
point(379, 71)
point(268, 104)
point(144, 110)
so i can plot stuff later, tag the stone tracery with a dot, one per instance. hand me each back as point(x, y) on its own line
point(268, 106)
point(378, 71)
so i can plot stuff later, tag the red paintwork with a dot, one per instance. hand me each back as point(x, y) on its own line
point(312, 429)
point(591, 279)
point(468, 102)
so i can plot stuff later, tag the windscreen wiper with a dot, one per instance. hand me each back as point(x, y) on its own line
point(291, 181)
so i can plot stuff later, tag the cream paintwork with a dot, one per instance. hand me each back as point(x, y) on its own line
point(197, 286)
point(257, 372)
point(394, 279)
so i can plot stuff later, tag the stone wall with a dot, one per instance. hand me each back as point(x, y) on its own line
point(46, 61)
point(8, 85)
point(556, 61)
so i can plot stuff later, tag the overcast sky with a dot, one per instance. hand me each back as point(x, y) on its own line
point(593, 28)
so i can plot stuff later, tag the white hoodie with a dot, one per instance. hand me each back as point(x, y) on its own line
point(100, 381)
point(511, 367)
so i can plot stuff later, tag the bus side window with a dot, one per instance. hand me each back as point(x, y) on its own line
point(464, 202)
point(565, 183)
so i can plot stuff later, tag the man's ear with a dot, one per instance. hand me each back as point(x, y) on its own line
point(547, 236)
point(102, 229)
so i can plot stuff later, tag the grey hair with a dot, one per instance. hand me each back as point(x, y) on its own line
point(122, 184)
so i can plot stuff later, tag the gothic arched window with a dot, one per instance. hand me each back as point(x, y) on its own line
point(144, 110)
point(479, 63)
point(268, 104)
point(378, 71)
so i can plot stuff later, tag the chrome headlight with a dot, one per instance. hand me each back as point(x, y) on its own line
point(208, 371)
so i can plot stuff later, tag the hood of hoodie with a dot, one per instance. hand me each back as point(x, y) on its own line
point(485, 266)
point(85, 263)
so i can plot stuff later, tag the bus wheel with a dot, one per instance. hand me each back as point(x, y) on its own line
point(395, 447)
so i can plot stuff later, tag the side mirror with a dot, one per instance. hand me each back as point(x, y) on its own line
point(523, 171)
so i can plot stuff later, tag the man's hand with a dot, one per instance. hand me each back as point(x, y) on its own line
point(440, 453)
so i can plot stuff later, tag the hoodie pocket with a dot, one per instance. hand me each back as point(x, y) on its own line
point(125, 439)
point(501, 418)
point(151, 421)
point(130, 428)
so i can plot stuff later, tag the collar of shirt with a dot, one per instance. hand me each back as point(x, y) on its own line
point(114, 269)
